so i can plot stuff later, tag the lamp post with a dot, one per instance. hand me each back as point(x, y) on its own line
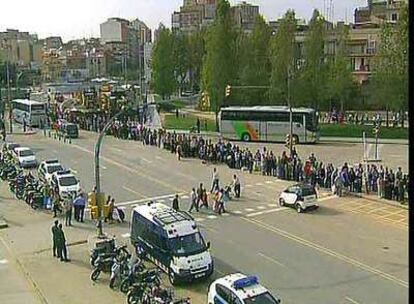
point(290, 111)
point(8, 90)
point(97, 172)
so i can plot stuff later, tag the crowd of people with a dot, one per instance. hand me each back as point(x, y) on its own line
point(346, 178)
point(340, 180)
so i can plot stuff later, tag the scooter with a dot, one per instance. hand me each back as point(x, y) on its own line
point(119, 269)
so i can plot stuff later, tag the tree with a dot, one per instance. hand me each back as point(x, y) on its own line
point(163, 64)
point(390, 74)
point(219, 63)
point(314, 70)
point(283, 53)
point(339, 84)
point(196, 51)
point(254, 63)
point(181, 62)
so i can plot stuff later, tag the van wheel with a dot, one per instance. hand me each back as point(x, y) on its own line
point(299, 208)
point(172, 278)
point(246, 137)
point(281, 202)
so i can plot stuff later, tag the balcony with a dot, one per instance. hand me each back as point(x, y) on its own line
point(362, 69)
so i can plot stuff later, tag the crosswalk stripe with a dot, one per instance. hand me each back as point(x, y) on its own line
point(261, 207)
point(249, 209)
point(212, 217)
point(237, 212)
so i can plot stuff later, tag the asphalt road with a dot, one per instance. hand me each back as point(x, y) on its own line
point(333, 255)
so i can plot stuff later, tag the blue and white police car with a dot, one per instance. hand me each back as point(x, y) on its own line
point(238, 288)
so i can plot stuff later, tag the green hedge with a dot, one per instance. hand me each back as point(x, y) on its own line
point(344, 130)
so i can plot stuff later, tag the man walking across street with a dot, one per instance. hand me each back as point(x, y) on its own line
point(193, 201)
point(55, 233)
point(236, 185)
point(61, 245)
point(215, 181)
point(175, 204)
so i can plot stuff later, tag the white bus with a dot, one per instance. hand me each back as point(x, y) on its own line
point(31, 111)
point(172, 241)
point(268, 123)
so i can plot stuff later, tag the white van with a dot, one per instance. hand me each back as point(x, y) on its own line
point(25, 157)
point(172, 241)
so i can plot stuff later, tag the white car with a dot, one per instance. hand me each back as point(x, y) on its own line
point(47, 168)
point(25, 157)
point(238, 288)
point(300, 196)
point(66, 182)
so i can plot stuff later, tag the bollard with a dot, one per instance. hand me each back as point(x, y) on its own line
point(64, 139)
point(49, 133)
point(70, 140)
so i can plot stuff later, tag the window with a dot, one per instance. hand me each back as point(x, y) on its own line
point(394, 17)
point(223, 293)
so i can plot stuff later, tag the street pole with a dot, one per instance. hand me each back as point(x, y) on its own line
point(290, 114)
point(9, 95)
point(97, 172)
point(376, 145)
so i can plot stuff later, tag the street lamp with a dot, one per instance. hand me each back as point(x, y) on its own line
point(97, 171)
point(290, 111)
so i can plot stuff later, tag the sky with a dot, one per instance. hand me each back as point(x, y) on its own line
point(73, 19)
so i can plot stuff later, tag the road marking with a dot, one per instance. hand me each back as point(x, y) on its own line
point(327, 251)
point(145, 200)
point(351, 300)
point(261, 207)
point(212, 217)
point(271, 205)
point(391, 213)
point(74, 171)
point(269, 182)
point(271, 259)
point(161, 201)
point(249, 186)
point(249, 209)
point(363, 206)
point(133, 191)
point(159, 157)
point(199, 219)
point(377, 209)
point(259, 184)
point(267, 211)
point(3, 261)
point(326, 198)
point(185, 197)
point(126, 235)
point(146, 160)
point(237, 212)
point(225, 214)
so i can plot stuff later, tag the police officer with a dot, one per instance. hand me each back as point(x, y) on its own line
point(61, 245)
point(55, 233)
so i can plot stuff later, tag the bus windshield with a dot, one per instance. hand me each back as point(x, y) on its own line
point(188, 244)
point(312, 122)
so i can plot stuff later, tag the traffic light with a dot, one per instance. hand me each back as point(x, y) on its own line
point(287, 141)
point(228, 90)
point(375, 131)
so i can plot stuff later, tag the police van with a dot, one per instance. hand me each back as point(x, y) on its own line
point(172, 241)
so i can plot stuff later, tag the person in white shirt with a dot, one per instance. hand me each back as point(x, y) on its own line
point(215, 181)
point(236, 186)
point(193, 201)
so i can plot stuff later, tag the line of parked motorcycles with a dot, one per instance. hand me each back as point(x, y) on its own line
point(141, 285)
point(24, 186)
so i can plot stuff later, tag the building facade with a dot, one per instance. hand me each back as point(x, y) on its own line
point(244, 16)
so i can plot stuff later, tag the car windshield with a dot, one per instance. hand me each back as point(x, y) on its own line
point(26, 153)
point(55, 168)
point(263, 298)
point(68, 181)
point(188, 244)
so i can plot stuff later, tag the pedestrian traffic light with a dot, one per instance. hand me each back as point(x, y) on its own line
point(287, 140)
point(228, 90)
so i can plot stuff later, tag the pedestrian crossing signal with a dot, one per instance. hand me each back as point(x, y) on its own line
point(287, 141)
point(228, 90)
